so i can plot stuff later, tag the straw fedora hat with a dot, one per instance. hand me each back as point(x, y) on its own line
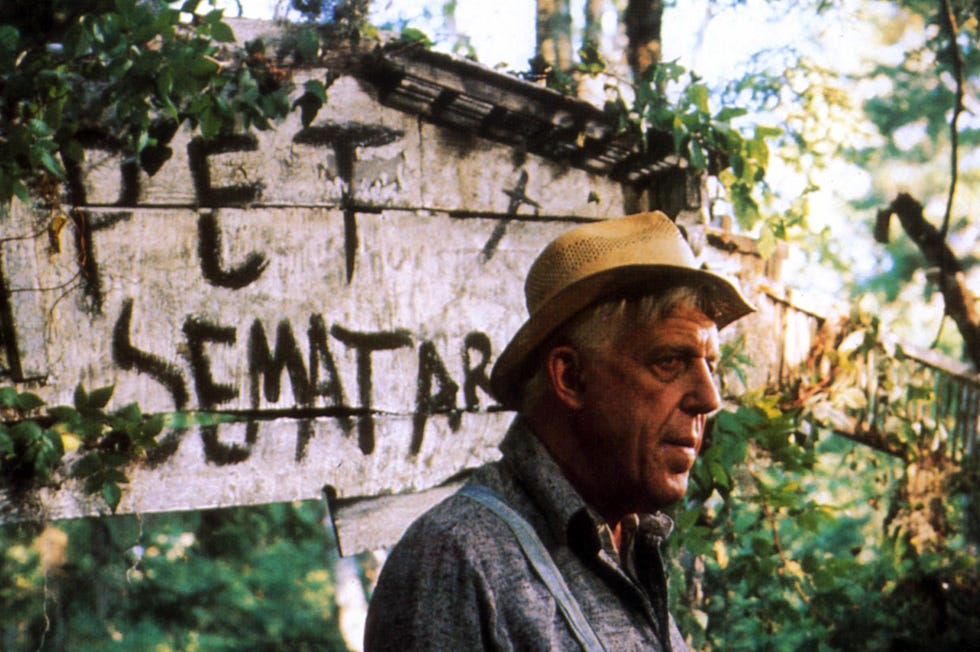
point(637, 253)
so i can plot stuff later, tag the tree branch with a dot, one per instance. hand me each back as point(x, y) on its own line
point(960, 302)
point(956, 57)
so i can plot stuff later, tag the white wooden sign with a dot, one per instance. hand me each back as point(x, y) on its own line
point(341, 289)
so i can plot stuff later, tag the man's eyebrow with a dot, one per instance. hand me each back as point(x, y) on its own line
point(674, 349)
point(688, 350)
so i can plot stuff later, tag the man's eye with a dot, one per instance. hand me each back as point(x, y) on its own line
point(671, 366)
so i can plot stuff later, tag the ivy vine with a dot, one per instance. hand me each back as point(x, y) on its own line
point(32, 449)
point(41, 445)
point(138, 69)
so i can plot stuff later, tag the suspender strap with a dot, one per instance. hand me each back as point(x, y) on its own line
point(542, 563)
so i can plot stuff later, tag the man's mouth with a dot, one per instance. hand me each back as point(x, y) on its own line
point(688, 440)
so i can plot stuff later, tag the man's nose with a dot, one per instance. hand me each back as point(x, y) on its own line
point(702, 396)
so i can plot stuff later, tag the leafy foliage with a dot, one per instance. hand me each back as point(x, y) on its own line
point(671, 100)
point(257, 578)
point(137, 69)
point(29, 453)
point(794, 537)
point(707, 141)
point(109, 442)
point(103, 444)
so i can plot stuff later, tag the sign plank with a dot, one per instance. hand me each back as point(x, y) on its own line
point(356, 349)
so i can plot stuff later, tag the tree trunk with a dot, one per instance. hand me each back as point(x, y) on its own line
point(643, 20)
point(554, 33)
point(593, 23)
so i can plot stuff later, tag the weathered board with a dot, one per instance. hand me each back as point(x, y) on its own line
point(341, 290)
point(269, 318)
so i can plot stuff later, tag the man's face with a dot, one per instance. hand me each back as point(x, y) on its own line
point(645, 397)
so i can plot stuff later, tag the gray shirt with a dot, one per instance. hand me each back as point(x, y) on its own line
point(458, 579)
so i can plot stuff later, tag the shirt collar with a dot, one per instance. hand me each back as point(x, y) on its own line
point(569, 517)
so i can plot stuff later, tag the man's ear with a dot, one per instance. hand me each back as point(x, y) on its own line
point(564, 365)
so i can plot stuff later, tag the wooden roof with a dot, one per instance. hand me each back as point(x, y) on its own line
point(470, 97)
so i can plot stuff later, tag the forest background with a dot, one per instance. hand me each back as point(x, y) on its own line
point(834, 118)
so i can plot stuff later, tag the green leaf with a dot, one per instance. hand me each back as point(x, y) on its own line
point(125, 8)
point(591, 60)
point(93, 484)
point(153, 426)
point(115, 460)
point(73, 150)
point(214, 16)
point(6, 443)
point(54, 440)
point(727, 422)
point(686, 519)
point(42, 469)
point(130, 413)
point(696, 155)
point(64, 414)
point(317, 89)
point(411, 35)
point(9, 40)
point(51, 164)
point(117, 476)
point(309, 107)
point(210, 123)
point(767, 244)
point(99, 398)
point(728, 113)
point(87, 466)
point(8, 397)
point(746, 209)
point(27, 431)
point(307, 46)
point(89, 428)
point(222, 32)
point(698, 540)
point(199, 67)
point(720, 475)
point(698, 94)
point(112, 494)
point(39, 128)
point(762, 131)
point(81, 397)
point(20, 191)
point(29, 401)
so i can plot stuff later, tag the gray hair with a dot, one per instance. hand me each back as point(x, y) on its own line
point(601, 325)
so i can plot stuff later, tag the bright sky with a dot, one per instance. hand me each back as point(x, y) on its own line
point(503, 31)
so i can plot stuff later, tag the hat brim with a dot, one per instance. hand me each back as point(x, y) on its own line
point(725, 304)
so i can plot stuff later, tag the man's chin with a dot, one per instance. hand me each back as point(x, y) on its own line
point(666, 496)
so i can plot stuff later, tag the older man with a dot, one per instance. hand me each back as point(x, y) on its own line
point(557, 545)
